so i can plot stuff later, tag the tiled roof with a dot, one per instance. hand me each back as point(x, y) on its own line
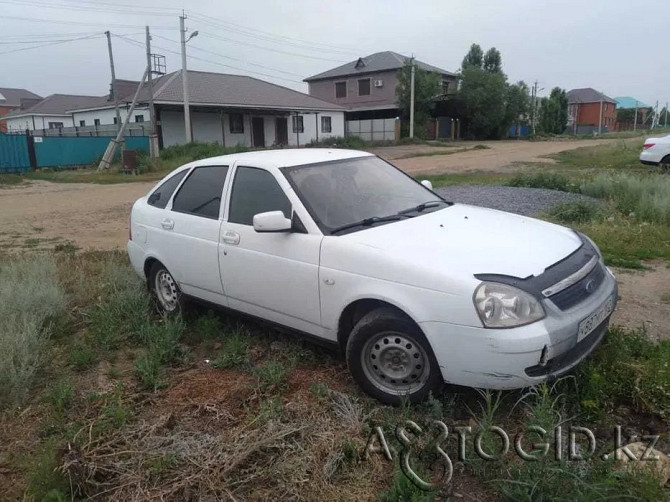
point(587, 95)
point(12, 97)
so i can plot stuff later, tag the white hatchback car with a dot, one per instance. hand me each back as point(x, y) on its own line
point(656, 152)
point(343, 246)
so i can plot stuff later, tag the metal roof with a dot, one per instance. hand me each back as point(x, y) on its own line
point(625, 102)
point(56, 104)
point(380, 61)
point(587, 95)
point(13, 97)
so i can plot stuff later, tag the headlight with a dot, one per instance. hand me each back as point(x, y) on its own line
point(503, 306)
point(592, 243)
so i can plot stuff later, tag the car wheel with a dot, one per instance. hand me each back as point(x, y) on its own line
point(665, 164)
point(165, 289)
point(390, 358)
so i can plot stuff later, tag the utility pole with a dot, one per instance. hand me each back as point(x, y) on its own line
point(184, 79)
point(665, 120)
point(153, 138)
point(635, 122)
point(600, 118)
point(411, 101)
point(115, 94)
point(534, 110)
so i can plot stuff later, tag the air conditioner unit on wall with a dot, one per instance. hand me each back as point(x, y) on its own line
point(379, 83)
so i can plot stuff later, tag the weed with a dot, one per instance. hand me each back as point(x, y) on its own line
point(348, 410)
point(82, 355)
point(206, 327)
point(403, 490)
point(578, 211)
point(30, 299)
point(160, 465)
point(270, 408)
point(353, 142)
point(162, 342)
point(552, 181)
point(59, 396)
point(44, 478)
point(665, 297)
point(148, 371)
point(272, 376)
point(319, 390)
point(233, 353)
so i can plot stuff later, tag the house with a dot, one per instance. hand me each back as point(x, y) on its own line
point(589, 110)
point(51, 112)
point(225, 109)
point(631, 113)
point(366, 87)
point(13, 99)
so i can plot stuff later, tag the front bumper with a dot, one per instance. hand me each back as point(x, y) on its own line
point(523, 356)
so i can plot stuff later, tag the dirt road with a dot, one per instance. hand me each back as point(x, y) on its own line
point(500, 156)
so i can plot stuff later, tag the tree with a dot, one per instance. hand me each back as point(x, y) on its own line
point(663, 118)
point(427, 86)
point(554, 112)
point(493, 61)
point(517, 104)
point(474, 57)
point(484, 95)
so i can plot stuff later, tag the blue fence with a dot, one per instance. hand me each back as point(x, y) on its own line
point(55, 151)
point(14, 156)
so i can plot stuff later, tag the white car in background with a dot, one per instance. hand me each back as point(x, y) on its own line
point(656, 152)
point(342, 246)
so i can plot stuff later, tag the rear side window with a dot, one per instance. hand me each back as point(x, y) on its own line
point(256, 191)
point(201, 193)
point(160, 197)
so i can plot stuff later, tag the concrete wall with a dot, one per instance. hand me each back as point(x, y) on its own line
point(379, 96)
point(215, 128)
point(40, 122)
point(107, 116)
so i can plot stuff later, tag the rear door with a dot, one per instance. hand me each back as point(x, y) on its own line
point(270, 275)
point(189, 233)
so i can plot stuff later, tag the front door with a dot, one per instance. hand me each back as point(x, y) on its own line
point(270, 275)
point(282, 131)
point(258, 131)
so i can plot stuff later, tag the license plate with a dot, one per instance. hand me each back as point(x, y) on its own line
point(594, 320)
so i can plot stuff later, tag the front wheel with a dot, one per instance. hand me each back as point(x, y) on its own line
point(165, 289)
point(390, 358)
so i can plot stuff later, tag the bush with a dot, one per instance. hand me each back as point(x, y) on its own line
point(30, 300)
point(162, 342)
point(551, 181)
point(645, 198)
point(197, 151)
point(574, 212)
point(353, 142)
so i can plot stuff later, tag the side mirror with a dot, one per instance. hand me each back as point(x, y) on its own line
point(427, 184)
point(272, 221)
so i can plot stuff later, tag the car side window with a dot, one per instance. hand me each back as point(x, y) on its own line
point(201, 193)
point(160, 197)
point(255, 191)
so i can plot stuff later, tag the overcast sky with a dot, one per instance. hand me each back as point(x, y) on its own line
point(615, 46)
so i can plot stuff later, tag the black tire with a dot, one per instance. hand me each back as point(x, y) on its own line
point(410, 371)
point(160, 275)
point(665, 164)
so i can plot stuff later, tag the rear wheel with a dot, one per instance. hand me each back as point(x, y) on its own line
point(390, 358)
point(665, 164)
point(168, 296)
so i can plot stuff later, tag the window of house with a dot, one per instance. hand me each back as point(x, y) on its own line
point(298, 124)
point(326, 125)
point(116, 121)
point(55, 125)
point(364, 87)
point(139, 118)
point(255, 191)
point(82, 123)
point(201, 193)
point(445, 87)
point(160, 197)
point(96, 122)
point(340, 89)
point(236, 123)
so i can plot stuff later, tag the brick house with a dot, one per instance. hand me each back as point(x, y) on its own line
point(584, 111)
point(13, 99)
point(366, 87)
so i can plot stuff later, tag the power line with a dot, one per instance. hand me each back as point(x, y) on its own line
point(61, 6)
point(51, 43)
point(81, 23)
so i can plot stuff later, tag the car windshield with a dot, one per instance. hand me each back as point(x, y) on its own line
point(353, 194)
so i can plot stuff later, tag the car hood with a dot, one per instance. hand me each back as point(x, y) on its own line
point(468, 240)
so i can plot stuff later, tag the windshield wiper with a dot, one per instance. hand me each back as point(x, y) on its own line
point(423, 206)
point(367, 222)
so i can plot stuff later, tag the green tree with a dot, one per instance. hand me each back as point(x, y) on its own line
point(483, 95)
point(474, 57)
point(517, 103)
point(554, 112)
point(427, 86)
point(493, 61)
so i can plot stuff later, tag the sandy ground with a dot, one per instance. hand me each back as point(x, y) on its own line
point(501, 156)
point(42, 215)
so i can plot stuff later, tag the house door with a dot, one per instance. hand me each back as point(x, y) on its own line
point(258, 131)
point(282, 131)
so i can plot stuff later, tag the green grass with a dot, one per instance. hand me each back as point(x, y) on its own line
point(574, 212)
point(234, 351)
point(617, 155)
point(271, 376)
point(82, 355)
point(544, 179)
point(441, 152)
point(30, 302)
point(470, 178)
point(59, 396)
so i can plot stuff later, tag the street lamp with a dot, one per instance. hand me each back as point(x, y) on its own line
point(184, 78)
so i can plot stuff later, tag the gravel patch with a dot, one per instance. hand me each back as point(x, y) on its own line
point(519, 200)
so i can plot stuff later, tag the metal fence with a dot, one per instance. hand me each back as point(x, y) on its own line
point(372, 129)
point(14, 153)
point(133, 129)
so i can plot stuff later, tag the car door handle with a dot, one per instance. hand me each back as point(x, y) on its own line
point(167, 224)
point(230, 237)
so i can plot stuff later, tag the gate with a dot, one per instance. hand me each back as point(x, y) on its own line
point(14, 153)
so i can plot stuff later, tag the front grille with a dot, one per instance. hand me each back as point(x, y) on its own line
point(580, 290)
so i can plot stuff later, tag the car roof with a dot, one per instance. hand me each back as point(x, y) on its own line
point(285, 157)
